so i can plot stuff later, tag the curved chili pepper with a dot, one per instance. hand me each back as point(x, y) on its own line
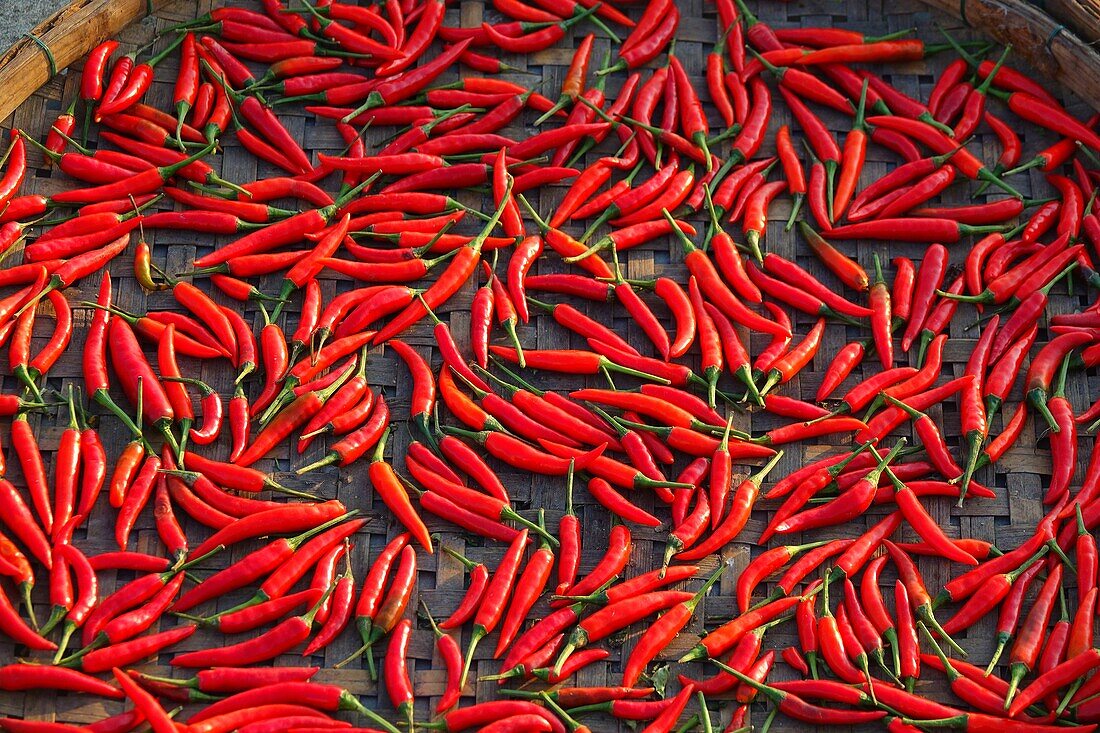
point(788, 366)
point(764, 565)
point(932, 440)
point(618, 504)
point(395, 666)
point(1063, 441)
point(277, 640)
point(1003, 374)
point(842, 365)
point(128, 652)
point(1073, 669)
point(924, 524)
point(479, 580)
point(839, 645)
point(17, 567)
point(1041, 372)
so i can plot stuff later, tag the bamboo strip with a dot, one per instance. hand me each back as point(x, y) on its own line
point(69, 34)
point(1049, 47)
point(1083, 16)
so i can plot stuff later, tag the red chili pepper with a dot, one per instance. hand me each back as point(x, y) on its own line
point(1052, 157)
point(688, 530)
point(1025, 651)
point(61, 129)
point(526, 592)
point(919, 600)
point(382, 475)
point(27, 530)
point(20, 677)
point(395, 666)
point(137, 496)
point(925, 525)
point(479, 580)
point(34, 470)
point(717, 292)
point(764, 565)
point(13, 176)
point(789, 365)
point(1002, 376)
point(491, 609)
point(618, 504)
point(91, 80)
point(128, 652)
point(1073, 669)
point(649, 45)
point(609, 566)
point(842, 365)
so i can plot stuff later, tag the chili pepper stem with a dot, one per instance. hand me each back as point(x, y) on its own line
point(771, 381)
point(925, 339)
point(282, 400)
point(925, 614)
point(510, 329)
point(1054, 547)
point(365, 649)
point(1070, 693)
point(974, 444)
point(327, 460)
point(373, 716)
point(609, 366)
point(769, 692)
point(601, 244)
point(861, 662)
point(577, 639)
point(1017, 676)
point(67, 632)
point(958, 721)
point(753, 239)
point(46, 151)
point(891, 636)
point(1040, 404)
point(23, 375)
point(533, 526)
point(561, 104)
point(475, 638)
point(75, 657)
point(25, 594)
point(104, 399)
point(795, 208)
point(56, 615)
point(952, 674)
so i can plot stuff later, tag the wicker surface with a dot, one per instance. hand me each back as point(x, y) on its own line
point(1005, 520)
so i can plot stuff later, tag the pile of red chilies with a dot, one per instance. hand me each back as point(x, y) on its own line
point(659, 454)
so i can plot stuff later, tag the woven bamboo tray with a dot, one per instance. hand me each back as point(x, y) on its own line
point(1005, 520)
